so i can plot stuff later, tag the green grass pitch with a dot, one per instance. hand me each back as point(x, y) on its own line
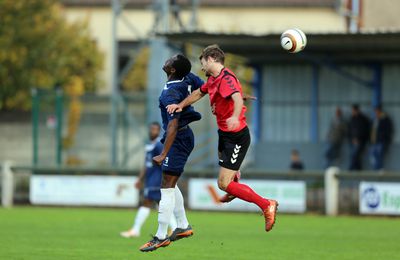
point(87, 233)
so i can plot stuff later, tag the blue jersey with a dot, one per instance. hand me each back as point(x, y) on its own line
point(173, 93)
point(153, 171)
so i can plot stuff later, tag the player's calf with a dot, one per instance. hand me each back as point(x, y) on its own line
point(228, 197)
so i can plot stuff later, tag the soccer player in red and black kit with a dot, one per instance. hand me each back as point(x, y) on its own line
point(226, 100)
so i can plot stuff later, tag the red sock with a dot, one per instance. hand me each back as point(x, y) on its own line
point(244, 192)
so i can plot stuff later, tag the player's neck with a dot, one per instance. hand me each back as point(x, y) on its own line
point(173, 77)
point(218, 67)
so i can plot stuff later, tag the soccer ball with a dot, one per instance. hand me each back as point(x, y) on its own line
point(293, 40)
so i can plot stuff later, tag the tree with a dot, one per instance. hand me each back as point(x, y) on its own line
point(136, 79)
point(38, 48)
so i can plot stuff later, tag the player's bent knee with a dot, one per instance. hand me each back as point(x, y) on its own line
point(222, 185)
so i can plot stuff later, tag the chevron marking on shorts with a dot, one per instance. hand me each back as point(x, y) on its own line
point(235, 153)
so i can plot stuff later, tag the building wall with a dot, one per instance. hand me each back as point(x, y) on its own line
point(260, 20)
point(383, 14)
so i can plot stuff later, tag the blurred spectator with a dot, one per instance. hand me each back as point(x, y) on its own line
point(359, 131)
point(336, 134)
point(381, 137)
point(150, 176)
point(295, 161)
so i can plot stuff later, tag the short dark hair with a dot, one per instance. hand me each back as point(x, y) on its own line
point(213, 51)
point(182, 65)
point(155, 123)
point(356, 107)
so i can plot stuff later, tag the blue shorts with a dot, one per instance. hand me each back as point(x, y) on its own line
point(152, 194)
point(177, 156)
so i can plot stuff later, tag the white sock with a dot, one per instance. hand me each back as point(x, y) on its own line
point(165, 211)
point(179, 210)
point(172, 223)
point(141, 217)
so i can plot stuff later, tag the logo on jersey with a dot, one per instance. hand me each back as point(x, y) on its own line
point(235, 153)
point(230, 82)
point(166, 161)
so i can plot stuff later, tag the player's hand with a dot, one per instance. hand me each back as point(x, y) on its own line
point(158, 159)
point(138, 185)
point(248, 97)
point(173, 108)
point(232, 123)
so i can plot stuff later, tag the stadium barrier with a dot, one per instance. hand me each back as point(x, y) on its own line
point(330, 182)
point(7, 185)
point(331, 191)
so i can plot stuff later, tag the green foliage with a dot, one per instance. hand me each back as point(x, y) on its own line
point(136, 79)
point(38, 48)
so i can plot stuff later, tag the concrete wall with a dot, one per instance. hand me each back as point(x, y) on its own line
point(380, 15)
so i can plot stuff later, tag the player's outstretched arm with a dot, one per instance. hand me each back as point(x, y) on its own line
point(248, 97)
point(172, 129)
point(195, 96)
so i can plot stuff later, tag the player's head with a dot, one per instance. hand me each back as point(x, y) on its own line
point(209, 56)
point(378, 110)
point(338, 112)
point(177, 67)
point(154, 130)
point(355, 109)
point(295, 155)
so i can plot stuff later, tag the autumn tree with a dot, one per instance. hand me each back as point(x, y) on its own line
point(39, 48)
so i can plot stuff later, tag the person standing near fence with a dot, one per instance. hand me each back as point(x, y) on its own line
point(150, 175)
point(336, 135)
point(381, 138)
point(359, 133)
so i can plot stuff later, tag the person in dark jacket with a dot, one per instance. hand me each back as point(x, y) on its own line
point(295, 161)
point(381, 137)
point(359, 133)
point(335, 137)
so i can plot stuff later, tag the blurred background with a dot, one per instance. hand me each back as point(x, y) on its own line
point(80, 81)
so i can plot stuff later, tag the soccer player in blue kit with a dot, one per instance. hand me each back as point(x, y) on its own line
point(150, 176)
point(178, 143)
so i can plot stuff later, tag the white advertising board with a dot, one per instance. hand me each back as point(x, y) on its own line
point(379, 198)
point(291, 195)
point(83, 190)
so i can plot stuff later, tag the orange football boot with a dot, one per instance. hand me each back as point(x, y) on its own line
point(270, 214)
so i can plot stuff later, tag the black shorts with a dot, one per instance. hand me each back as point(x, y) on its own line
point(233, 147)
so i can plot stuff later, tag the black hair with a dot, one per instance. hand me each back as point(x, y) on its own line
point(356, 107)
point(156, 124)
point(182, 66)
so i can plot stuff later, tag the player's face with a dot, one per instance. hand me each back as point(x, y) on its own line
point(154, 132)
point(168, 66)
point(206, 65)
